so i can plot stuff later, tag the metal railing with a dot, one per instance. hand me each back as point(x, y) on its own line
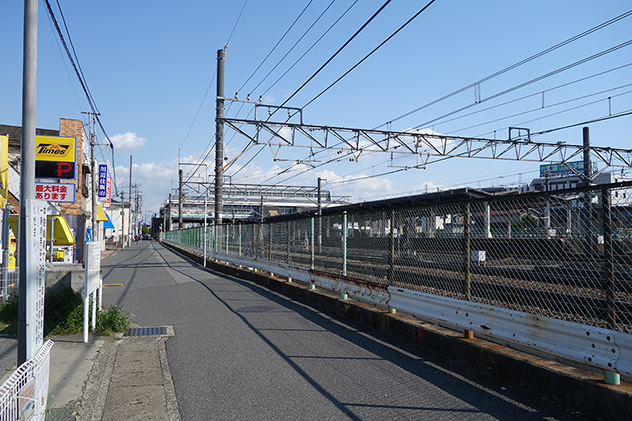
point(9, 280)
point(23, 395)
point(564, 255)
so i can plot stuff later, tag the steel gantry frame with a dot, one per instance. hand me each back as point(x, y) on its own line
point(424, 145)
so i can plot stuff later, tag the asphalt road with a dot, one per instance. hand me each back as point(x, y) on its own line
point(243, 352)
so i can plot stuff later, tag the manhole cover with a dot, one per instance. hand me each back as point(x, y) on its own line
point(147, 331)
point(254, 309)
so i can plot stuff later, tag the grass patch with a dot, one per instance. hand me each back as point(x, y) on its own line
point(63, 315)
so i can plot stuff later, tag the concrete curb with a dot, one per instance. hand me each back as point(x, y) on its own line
point(107, 382)
point(98, 382)
point(173, 413)
point(578, 388)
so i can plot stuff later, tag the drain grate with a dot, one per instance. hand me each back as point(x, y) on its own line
point(147, 331)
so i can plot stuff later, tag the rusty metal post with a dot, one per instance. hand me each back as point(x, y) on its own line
point(608, 281)
point(467, 286)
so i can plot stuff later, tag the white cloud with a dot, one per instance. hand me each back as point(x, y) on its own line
point(128, 141)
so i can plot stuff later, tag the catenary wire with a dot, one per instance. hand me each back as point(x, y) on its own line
point(330, 59)
point(529, 82)
point(513, 66)
point(370, 53)
point(276, 45)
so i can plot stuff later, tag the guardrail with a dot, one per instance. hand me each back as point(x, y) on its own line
point(548, 270)
point(23, 395)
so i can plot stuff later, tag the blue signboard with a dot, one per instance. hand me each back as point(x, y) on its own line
point(103, 180)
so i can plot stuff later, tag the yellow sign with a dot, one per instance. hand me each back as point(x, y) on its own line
point(55, 157)
point(55, 148)
point(4, 169)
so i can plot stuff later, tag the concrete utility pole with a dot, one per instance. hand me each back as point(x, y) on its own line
point(219, 136)
point(27, 289)
point(129, 216)
point(93, 169)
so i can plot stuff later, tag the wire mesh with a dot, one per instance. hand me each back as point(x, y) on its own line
point(563, 254)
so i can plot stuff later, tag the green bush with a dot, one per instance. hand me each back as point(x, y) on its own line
point(63, 315)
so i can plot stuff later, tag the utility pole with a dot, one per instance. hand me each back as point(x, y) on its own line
point(122, 219)
point(27, 342)
point(93, 169)
point(168, 227)
point(129, 216)
point(219, 136)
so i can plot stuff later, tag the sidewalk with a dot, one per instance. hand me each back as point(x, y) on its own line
point(127, 378)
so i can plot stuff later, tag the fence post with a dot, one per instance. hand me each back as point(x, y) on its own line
point(466, 251)
point(227, 228)
point(311, 262)
point(392, 257)
point(240, 239)
point(288, 241)
point(608, 281)
point(344, 243)
point(270, 241)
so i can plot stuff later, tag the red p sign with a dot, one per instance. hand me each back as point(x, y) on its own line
point(64, 168)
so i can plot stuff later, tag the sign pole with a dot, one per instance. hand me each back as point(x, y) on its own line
point(27, 343)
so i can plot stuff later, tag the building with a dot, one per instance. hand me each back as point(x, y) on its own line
point(77, 213)
point(247, 201)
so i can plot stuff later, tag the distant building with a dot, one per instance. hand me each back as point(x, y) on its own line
point(247, 201)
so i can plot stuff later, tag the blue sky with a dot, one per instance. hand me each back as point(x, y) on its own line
point(149, 66)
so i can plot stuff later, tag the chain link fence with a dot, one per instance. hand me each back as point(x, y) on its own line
point(564, 254)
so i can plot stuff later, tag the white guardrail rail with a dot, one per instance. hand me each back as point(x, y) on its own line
point(602, 348)
point(23, 395)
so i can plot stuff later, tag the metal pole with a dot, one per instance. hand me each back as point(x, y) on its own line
point(219, 137)
point(129, 216)
point(608, 282)
point(204, 231)
point(51, 239)
point(169, 220)
point(320, 220)
point(467, 251)
point(289, 239)
point(6, 244)
point(180, 199)
point(588, 246)
point(311, 260)
point(392, 241)
point(122, 219)
point(586, 141)
point(93, 189)
point(27, 185)
point(344, 243)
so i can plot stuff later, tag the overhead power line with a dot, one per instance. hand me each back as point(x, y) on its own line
point(371, 53)
point(74, 61)
point(276, 45)
point(329, 60)
point(532, 81)
point(513, 66)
